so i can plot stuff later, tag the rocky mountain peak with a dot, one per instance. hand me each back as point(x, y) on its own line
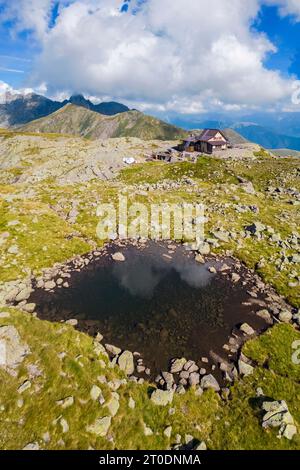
point(80, 100)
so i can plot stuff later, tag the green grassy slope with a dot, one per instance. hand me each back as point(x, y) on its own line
point(80, 121)
point(36, 415)
point(44, 236)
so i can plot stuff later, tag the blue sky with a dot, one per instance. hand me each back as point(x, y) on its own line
point(16, 54)
point(285, 34)
point(147, 36)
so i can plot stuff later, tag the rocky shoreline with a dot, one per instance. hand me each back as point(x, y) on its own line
point(183, 372)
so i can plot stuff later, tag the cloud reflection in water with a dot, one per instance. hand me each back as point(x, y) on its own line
point(140, 274)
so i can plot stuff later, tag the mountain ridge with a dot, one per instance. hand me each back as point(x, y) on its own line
point(20, 109)
point(80, 121)
point(109, 108)
point(24, 108)
point(17, 110)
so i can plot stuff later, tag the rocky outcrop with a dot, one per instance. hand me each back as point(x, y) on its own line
point(277, 415)
point(162, 397)
point(126, 362)
point(100, 427)
point(12, 349)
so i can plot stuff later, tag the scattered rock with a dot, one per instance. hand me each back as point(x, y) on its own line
point(296, 318)
point(115, 384)
point(184, 374)
point(29, 308)
point(162, 397)
point(46, 437)
point(66, 402)
point(194, 379)
point(147, 430)
point(209, 381)
point(95, 392)
point(12, 351)
point(285, 316)
point(20, 402)
point(265, 315)
point(199, 258)
point(191, 366)
point(49, 285)
point(201, 446)
point(168, 378)
point(34, 371)
point(290, 431)
point(24, 294)
point(245, 369)
point(113, 349)
point(278, 416)
point(131, 403)
point(204, 249)
point(13, 250)
point(13, 223)
point(247, 329)
point(295, 259)
point(180, 390)
point(4, 314)
point(99, 337)
point(72, 322)
point(259, 392)
point(126, 362)
point(100, 427)
point(248, 187)
point(64, 425)
point(255, 228)
point(235, 277)
point(221, 235)
point(24, 386)
point(113, 404)
point(118, 257)
point(32, 446)
point(198, 391)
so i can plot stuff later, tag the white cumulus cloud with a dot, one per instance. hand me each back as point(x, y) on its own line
point(31, 15)
point(8, 92)
point(169, 56)
point(287, 7)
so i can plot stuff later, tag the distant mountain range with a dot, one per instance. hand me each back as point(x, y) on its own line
point(21, 109)
point(78, 120)
point(270, 130)
point(79, 116)
point(268, 138)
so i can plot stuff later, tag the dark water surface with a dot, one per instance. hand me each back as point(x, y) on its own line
point(159, 302)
